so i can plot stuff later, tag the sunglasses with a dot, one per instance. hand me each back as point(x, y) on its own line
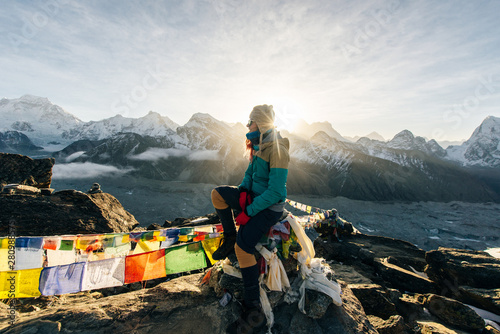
point(250, 122)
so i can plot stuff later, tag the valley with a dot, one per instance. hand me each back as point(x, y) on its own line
point(429, 225)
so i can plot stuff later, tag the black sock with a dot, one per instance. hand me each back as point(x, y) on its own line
point(227, 221)
point(251, 285)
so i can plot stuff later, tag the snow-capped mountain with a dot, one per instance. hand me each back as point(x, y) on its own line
point(373, 170)
point(152, 124)
point(202, 131)
point(39, 119)
point(483, 147)
point(372, 135)
point(15, 142)
point(47, 124)
point(306, 130)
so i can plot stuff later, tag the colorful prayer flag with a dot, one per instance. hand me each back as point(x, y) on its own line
point(28, 258)
point(20, 283)
point(145, 266)
point(61, 279)
point(210, 246)
point(185, 258)
point(67, 245)
point(60, 257)
point(104, 274)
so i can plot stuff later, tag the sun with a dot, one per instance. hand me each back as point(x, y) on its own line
point(288, 113)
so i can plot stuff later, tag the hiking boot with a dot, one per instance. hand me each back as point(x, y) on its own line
point(225, 248)
point(251, 320)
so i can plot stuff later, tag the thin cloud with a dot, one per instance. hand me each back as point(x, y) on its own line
point(154, 154)
point(86, 170)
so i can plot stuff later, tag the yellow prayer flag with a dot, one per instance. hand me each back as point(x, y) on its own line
point(144, 246)
point(4, 243)
point(20, 283)
point(309, 209)
point(125, 238)
point(4, 260)
point(210, 246)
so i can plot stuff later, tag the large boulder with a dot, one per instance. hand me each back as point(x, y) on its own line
point(20, 169)
point(455, 267)
point(454, 313)
point(394, 325)
point(488, 299)
point(374, 299)
point(64, 212)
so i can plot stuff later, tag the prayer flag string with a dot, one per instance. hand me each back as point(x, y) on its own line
point(71, 263)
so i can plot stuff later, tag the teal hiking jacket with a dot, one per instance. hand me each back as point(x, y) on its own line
point(267, 173)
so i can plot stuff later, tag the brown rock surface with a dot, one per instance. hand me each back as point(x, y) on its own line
point(394, 325)
point(454, 313)
point(64, 212)
point(181, 306)
point(16, 168)
point(455, 267)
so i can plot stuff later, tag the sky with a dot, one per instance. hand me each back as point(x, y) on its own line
point(432, 67)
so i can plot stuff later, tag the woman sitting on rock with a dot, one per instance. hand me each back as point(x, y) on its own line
point(260, 199)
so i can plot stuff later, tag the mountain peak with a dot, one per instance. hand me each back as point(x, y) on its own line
point(404, 134)
point(207, 121)
point(489, 127)
point(199, 116)
point(321, 137)
point(375, 135)
point(302, 128)
point(482, 148)
point(34, 99)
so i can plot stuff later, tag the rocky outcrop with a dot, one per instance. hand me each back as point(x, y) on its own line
point(64, 212)
point(20, 169)
point(398, 284)
point(457, 267)
point(472, 277)
point(454, 313)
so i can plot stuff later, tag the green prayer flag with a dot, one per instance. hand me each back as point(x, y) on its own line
point(66, 245)
point(186, 230)
point(184, 258)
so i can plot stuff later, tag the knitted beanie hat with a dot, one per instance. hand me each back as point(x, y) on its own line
point(263, 115)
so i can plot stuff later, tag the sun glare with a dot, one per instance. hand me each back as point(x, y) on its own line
point(288, 113)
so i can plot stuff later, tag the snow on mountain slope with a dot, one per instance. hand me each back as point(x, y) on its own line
point(401, 148)
point(482, 148)
point(322, 150)
point(372, 135)
point(302, 128)
point(38, 118)
point(152, 124)
point(204, 131)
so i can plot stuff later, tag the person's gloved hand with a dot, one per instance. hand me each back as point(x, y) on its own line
point(242, 218)
point(244, 200)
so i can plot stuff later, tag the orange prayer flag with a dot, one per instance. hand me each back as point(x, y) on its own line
point(51, 243)
point(145, 266)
